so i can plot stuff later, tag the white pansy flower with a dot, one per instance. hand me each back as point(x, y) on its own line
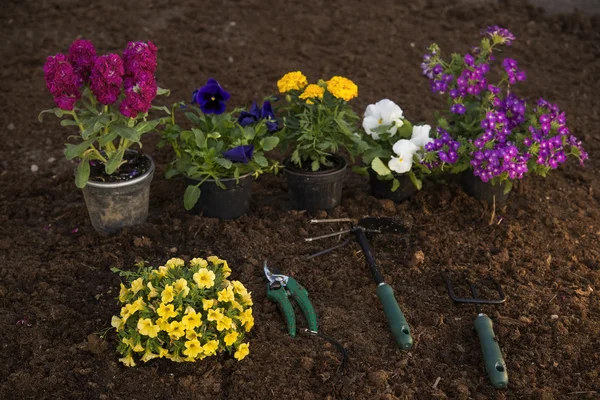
point(420, 136)
point(404, 149)
point(384, 112)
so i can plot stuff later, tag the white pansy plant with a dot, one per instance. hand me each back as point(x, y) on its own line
point(396, 147)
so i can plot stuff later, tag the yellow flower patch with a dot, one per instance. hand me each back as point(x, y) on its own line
point(291, 81)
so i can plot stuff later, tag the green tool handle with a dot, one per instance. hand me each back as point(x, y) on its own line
point(395, 317)
point(280, 297)
point(301, 296)
point(492, 356)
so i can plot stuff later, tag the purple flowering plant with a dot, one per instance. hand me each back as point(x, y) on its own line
point(219, 144)
point(107, 97)
point(488, 128)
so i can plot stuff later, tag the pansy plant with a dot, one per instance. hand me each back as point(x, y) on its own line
point(396, 147)
point(107, 97)
point(489, 129)
point(219, 145)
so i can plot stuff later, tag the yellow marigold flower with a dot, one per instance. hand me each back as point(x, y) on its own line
point(206, 304)
point(128, 360)
point(192, 320)
point(163, 324)
point(224, 323)
point(167, 294)
point(230, 338)
point(342, 88)
point(226, 295)
point(123, 293)
point(214, 315)
point(239, 288)
point(191, 334)
point(117, 323)
point(291, 81)
point(129, 342)
point(176, 330)
point(181, 285)
point(166, 311)
point(153, 291)
point(242, 351)
point(149, 355)
point(137, 285)
point(198, 262)
point(138, 348)
point(312, 91)
point(211, 347)
point(146, 327)
point(192, 348)
point(175, 262)
point(204, 278)
point(162, 352)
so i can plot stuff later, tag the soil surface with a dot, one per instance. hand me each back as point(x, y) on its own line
point(135, 164)
point(57, 294)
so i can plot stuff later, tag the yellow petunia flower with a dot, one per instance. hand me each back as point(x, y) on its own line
point(198, 262)
point(166, 311)
point(291, 81)
point(342, 88)
point(312, 91)
point(204, 278)
point(239, 288)
point(237, 306)
point(128, 360)
point(242, 351)
point(226, 269)
point(149, 355)
point(175, 262)
point(167, 294)
point(162, 271)
point(246, 319)
point(230, 338)
point(146, 327)
point(192, 348)
point(191, 334)
point(192, 320)
point(153, 292)
point(127, 311)
point(129, 342)
point(247, 299)
point(249, 324)
point(175, 357)
point(224, 323)
point(117, 323)
point(211, 347)
point(123, 293)
point(137, 285)
point(207, 304)
point(226, 295)
point(138, 305)
point(163, 324)
point(181, 285)
point(176, 330)
point(214, 315)
point(162, 352)
point(138, 348)
point(215, 260)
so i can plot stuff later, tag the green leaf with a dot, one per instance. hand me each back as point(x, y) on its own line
point(160, 91)
point(507, 186)
point(82, 173)
point(249, 132)
point(269, 143)
point(361, 170)
point(192, 117)
point(104, 139)
point(162, 108)
point(379, 167)
point(76, 150)
point(405, 131)
point(315, 165)
point(199, 138)
point(213, 135)
point(126, 132)
point(260, 159)
point(225, 163)
point(147, 126)
point(114, 162)
point(458, 168)
point(171, 172)
point(395, 184)
point(56, 111)
point(68, 122)
point(191, 196)
point(416, 181)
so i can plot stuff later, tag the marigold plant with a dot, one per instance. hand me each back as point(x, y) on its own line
point(182, 312)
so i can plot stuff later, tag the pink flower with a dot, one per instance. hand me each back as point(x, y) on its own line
point(82, 55)
point(62, 81)
point(139, 56)
point(107, 78)
point(139, 60)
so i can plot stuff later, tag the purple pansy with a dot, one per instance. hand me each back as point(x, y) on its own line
point(241, 154)
point(256, 114)
point(211, 97)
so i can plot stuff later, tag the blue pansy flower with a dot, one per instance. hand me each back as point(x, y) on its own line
point(211, 97)
point(241, 154)
point(255, 114)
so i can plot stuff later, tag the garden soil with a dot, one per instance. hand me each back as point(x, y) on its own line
point(57, 293)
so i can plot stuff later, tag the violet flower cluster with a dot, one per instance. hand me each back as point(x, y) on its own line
point(503, 138)
point(62, 81)
point(140, 86)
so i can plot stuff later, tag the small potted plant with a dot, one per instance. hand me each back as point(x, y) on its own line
point(318, 122)
point(396, 156)
point(181, 312)
point(490, 135)
point(107, 98)
point(222, 153)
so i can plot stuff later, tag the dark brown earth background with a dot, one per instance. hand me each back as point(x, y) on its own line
point(543, 246)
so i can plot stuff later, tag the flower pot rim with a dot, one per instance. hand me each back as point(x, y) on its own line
point(394, 174)
point(134, 181)
point(246, 175)
point(342, 167)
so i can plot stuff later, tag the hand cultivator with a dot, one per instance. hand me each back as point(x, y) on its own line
point(395, 317)
point(492, 356)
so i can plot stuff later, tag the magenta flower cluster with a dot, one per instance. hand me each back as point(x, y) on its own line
point(108, 76)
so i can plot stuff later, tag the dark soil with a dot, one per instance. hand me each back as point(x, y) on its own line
point(543, 245)
point(136, 164)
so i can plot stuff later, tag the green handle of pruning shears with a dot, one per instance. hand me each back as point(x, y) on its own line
point(395, 317)
point(492, 356)
point(280, 297)
point(301, 296)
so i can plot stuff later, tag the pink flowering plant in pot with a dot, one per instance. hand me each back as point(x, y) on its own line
point(489, 130)
point(107, 98)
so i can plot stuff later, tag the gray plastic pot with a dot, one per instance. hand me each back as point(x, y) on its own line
point(116, 205)
point(483, 191)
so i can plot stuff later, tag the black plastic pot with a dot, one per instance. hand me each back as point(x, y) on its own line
point(481, 190)
point(229, 203)
point(313, 191)
point(383, 189)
